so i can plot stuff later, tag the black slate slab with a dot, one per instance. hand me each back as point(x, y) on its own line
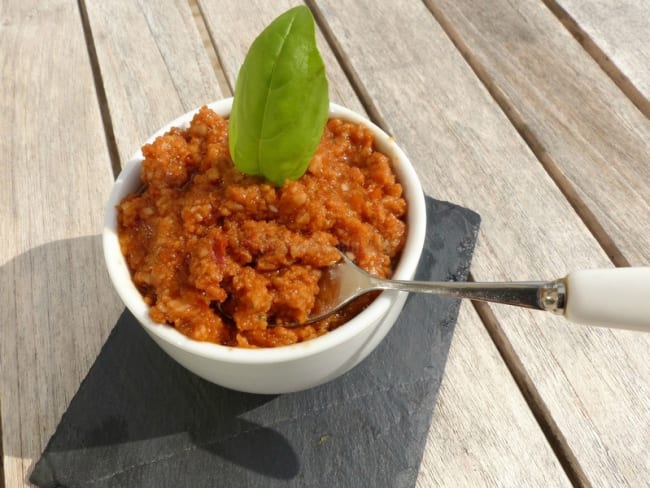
point(139, 419)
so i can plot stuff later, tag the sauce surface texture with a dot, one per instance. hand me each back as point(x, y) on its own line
point(200, 238)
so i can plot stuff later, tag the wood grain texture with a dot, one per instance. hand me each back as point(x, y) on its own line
point(594, 381)
point(577, 117)
point(228, 22)
point(56, 300)
point(468, 443)
point(153, 64)
point(620, 31)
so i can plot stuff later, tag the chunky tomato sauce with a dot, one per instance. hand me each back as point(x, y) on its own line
point(220, 255)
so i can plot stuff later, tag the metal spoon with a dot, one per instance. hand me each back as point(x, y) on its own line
point(617, 297)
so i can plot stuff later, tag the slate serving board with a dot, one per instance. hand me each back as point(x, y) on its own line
point(140, 419)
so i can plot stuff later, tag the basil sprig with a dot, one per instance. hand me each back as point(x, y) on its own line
point(281, 100)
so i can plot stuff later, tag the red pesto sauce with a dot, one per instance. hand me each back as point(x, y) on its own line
point(200, 233)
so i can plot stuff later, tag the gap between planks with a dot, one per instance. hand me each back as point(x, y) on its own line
point(598, 55)
point(547, 161)
point(346, 65)
point(542, 414)
point(100, 91)
point(107, 121)
point(210, 47)
point(547, 424)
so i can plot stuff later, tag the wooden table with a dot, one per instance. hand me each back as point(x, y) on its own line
point(533, 113)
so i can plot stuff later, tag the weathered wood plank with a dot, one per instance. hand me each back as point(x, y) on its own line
point(482, 433)
point(467, 151)
point(617, 33)
point(153, 64)
point(57, 303)
point(575, 114)
point(233, 26)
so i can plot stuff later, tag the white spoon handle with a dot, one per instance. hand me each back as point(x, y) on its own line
point(616, 297)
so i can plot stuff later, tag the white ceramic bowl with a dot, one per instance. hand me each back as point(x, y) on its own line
point(287, 368)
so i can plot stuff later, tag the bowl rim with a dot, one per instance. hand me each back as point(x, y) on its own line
point(405, 269)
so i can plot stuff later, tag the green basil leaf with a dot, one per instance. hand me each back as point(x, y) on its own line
point(281, 103)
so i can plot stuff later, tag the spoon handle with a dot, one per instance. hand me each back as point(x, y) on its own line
point(614, 297)
point(540, 295)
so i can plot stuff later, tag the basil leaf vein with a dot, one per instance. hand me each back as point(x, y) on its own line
point(281, 103)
